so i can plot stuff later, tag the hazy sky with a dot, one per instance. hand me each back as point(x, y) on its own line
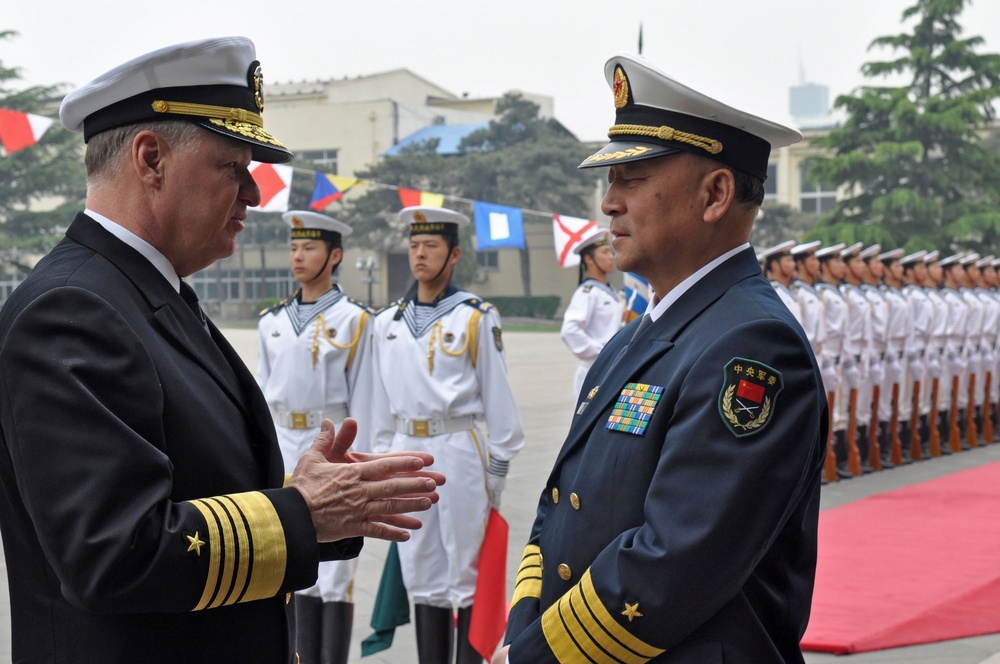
point(747, 53)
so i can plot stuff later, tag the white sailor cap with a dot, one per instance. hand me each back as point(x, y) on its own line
point(954, 259)
point(851, 251)
point(777, 250)
point(985, 261)
point(657, 115)
point(214, 83)
point(891, 255)
point(870, 252)
point(969, 259)
point(309, 225)
point(433, 220)
point(806, 248)
point(932, 256)
point(599, 237)
point(995, 262)
point(916, 256)
point(830, 252)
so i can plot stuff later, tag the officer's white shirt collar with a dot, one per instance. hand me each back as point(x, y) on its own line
point(657, 307)
point(151, 253)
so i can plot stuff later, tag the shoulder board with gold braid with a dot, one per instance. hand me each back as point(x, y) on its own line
point(362, 305)
point(275, 308)
point(482, 305)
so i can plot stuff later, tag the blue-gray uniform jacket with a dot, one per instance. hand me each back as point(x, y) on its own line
point(679, 521)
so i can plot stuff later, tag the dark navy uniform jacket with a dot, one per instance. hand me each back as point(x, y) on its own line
point(679, 521)
point(142, 511)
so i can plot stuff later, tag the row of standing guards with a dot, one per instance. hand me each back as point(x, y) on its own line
point(907, 347)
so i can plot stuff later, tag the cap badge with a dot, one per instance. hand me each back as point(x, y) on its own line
point(748, 394)
point(419, 217)
point(297, 222)
point(621, 88)
point(256, 81)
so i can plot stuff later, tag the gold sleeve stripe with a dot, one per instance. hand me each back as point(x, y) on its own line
point(579, 628)
point(267, 537)
point(529, 575)
point(214, 551)
point(284, 482)
point(247, 549)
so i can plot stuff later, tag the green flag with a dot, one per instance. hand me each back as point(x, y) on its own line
point(392, 606)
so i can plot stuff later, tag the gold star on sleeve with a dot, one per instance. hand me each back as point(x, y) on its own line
point(196, 543)
point(631, 611)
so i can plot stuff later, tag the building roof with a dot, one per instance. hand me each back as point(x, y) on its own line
point(449, 137)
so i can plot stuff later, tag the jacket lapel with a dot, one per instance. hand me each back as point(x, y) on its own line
point(622, 362)
point(169, 310)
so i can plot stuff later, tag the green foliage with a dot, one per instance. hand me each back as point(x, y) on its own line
point(41, 186)
point(519, 160)
point(538, 306)
point(912, 159)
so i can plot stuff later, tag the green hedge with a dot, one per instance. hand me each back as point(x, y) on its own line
point(541, 306)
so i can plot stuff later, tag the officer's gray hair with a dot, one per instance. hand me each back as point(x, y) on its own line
point(105, 155)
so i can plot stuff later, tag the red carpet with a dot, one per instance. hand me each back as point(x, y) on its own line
point(915, 565)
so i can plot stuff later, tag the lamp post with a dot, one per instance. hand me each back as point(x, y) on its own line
point(368, 264)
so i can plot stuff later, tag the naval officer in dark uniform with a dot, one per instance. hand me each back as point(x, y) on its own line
point(141, 487)
point(679, 522)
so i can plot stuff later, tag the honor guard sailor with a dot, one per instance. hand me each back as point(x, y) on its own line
point(779, 268)
point(313, 366)
point(804, 289)
point(145, 510)
point(439, 375)
point(594, 313)
point(646, 545)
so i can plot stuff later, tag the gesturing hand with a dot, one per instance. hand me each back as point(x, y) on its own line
point(351, 494)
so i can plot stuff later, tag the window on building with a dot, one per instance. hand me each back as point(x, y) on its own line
point(324, 159)
point(771, 183)
point(488, 260)
point(815, 196)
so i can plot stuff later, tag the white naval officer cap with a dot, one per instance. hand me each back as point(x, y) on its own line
point(777, 250)
point(806, 248)
point(309, 225)
point(657, 115)
point(870, 252)
point(891, 255)
point(851, 251)
point(917, 256)
point(830, 252)
point(214, 83)
point(433, 220)
point(598, 237)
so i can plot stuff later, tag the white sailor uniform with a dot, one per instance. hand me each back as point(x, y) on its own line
point(313, 365)
point(593, 316)
point(439, 370)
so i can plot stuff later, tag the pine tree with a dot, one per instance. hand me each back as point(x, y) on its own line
point(913, 157)
point(42, 186)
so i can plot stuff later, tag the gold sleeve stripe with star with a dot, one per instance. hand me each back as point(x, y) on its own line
point(529, 575)
point(246, 549)
point(578, 628)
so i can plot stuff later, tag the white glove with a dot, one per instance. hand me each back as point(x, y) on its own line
point(852, 377)
point(934, 366)
point(876, 373)
point(916, 367)
point(494, 487)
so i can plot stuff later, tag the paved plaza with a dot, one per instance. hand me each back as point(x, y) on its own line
point(541, 371)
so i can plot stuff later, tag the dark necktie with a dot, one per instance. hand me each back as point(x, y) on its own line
point(191, 299)
point(643, 324)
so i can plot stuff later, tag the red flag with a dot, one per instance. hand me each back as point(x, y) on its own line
point(20, 130)
point(751, 391)
point(412, 197)
point(489, 611)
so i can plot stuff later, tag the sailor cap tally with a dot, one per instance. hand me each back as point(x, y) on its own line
point(656, 115)
point(309, 225)
point(599, 237)
point(433, 220)
point(214, 83)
